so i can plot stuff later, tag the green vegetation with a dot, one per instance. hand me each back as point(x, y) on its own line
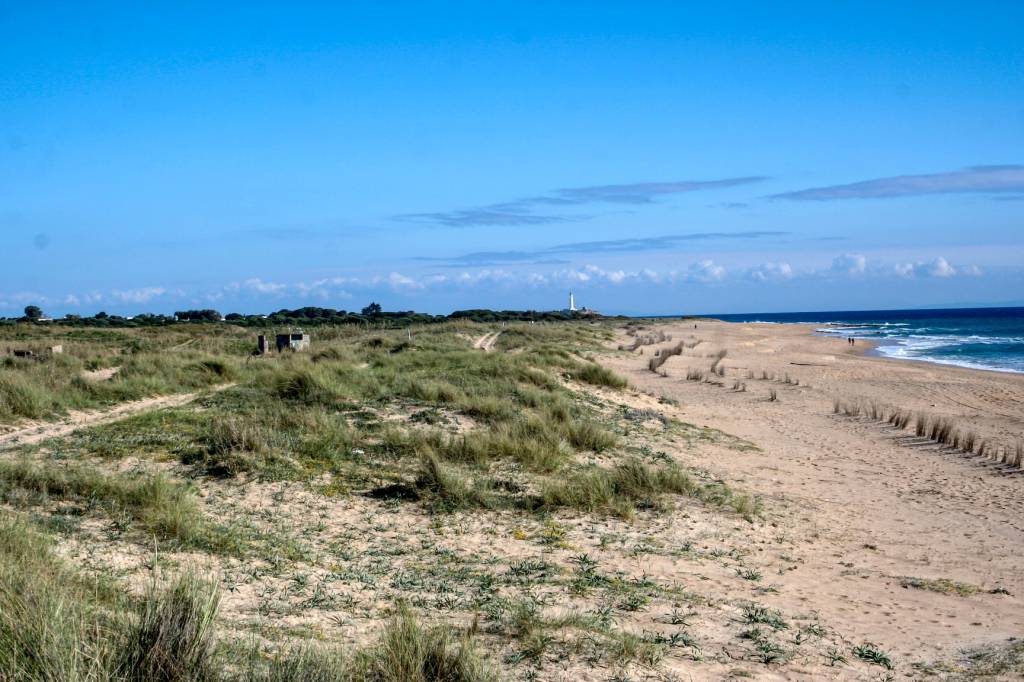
point(872, 654)
point(49, 385)
point(297, 416)
point(334, 487)
point(941, 585)
point(309, 316)
point(755, 614)
point(156, 504)
point(634, 485)
point(57, 625)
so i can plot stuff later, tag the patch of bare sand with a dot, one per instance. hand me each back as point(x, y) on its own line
point(487, 341)
point(865, 510)
point(337, 565)
point(98, 375)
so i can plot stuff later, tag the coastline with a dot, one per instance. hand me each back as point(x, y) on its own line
point(992, 401)
point(872, 512)
point(874, 347)
point(990, 339)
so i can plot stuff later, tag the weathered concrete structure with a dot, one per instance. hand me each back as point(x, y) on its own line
point(296, 341)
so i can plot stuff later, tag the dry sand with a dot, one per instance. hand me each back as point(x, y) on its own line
point(870, 509)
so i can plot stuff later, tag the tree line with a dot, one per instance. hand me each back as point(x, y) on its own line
point(308, 316)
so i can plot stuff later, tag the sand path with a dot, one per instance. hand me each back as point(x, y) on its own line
point(39, 431)
point(487, 341)
point(863, 507)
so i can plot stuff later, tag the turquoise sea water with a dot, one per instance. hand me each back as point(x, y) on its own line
point(981, 338)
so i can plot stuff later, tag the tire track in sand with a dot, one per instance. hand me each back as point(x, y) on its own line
point(486, 342)
point(39, 431)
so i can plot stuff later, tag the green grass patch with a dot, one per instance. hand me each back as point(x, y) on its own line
point(940, 585)
point(633, 485)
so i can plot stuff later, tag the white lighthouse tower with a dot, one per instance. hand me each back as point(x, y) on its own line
point(572, 303)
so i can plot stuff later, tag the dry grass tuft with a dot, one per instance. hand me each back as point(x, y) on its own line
point(661, 358)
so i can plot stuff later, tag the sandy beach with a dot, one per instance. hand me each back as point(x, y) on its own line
point(874, 516)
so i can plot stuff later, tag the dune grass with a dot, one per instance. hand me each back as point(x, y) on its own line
point(157, 504)
point(655, 363)
point(57, 624)
point(939, 429)
point(644, 339)
point(298, 415)
point(401, 418)
point(405, 651)
point(49, 386)
point(633, 485)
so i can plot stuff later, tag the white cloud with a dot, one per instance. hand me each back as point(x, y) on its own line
point(650, 275)
point(941, 268)
point(937, 267)
point(593, 273)
point(771, 271)
point(536, 279)
point(706, 271)
point(143, 295)
point(258, 286)
point(399, 281)
point(850, 264)
point(904, 269)
point(324, 289)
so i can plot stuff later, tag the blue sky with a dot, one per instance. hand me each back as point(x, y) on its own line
point(652, 157)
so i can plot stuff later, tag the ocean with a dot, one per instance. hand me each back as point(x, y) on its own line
point(980, 338)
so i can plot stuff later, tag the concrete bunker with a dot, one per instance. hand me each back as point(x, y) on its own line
point(295, 341)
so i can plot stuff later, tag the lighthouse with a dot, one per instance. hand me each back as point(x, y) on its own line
point(572, 303)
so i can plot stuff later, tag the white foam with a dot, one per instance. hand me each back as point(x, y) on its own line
point(914, 348)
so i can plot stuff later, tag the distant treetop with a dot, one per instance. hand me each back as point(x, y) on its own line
point(307, 316)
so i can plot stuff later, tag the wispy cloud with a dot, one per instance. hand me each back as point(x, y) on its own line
point(524, 211)
point(644, 192)
point(629, 245)
point(485, 216)
point(975, 180)
point(288, 234)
